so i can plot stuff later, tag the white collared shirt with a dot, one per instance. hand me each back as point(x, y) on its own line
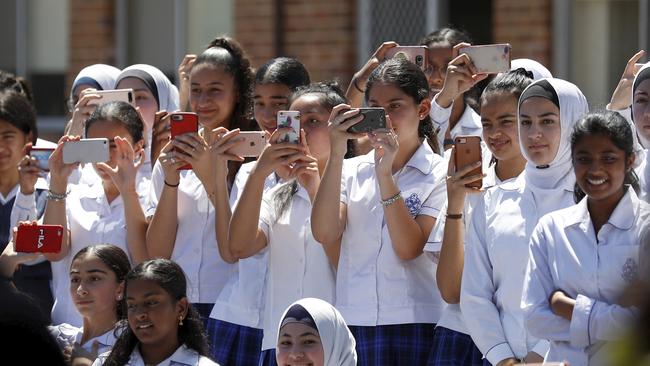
point(91, 221)
point(298, 265)
point(195, 246)
point(182, 357)
point(643, 172)
point(374, 286)
point(242, 299)
point(452, 317)
point(67, 335)
point(469, 123)
point(496, 255)
point(566, 254)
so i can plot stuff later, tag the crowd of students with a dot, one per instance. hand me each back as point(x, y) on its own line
point(346, 248)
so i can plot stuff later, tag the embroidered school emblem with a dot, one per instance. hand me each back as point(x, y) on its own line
point(629, 272)
point(414, 204)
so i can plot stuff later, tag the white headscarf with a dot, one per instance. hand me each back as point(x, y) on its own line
point(101, 76)
point(549, 184)
point(167, 93)
point(539, 71)
point(337, 340)
point(643, 74)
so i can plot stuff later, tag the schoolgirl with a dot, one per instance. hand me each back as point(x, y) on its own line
point(496, 253)
point(235, 325)
point(378, 212)
point(312, 331)
point(107, 211)
point(161, 327)
point(450, 112)
point(153, 92)
point(278, 220)
point(641, 118)
point(96, 286)
point(452, 344)
point(583, 258)
point(182, 203)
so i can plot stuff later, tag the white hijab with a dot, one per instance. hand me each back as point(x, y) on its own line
point(549, 184)
point(167, 92)
point(539, 71)
point(643, 72)
point(104, 77)
point(337, 340)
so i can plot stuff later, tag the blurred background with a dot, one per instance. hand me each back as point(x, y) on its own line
point(49, 41)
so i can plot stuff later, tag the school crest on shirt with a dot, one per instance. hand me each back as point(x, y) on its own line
point(414, 204)
point(630, 270)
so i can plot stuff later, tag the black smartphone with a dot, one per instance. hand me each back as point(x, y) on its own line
point(373, 119)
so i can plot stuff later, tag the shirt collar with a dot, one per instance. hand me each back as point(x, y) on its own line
point(107, 339)
point(182, 356)
point(622, 217)
point(9, 196)
point(423, 159)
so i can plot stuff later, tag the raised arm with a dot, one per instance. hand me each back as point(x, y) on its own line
point(357, 87)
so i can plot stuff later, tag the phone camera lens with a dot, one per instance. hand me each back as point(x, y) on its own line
point(419, 59)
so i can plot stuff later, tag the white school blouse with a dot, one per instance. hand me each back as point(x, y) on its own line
point(469, 123)
point(242, 299)
point(67, 335)
point(374, 286)
point(298, 266)
point(496, 255)
point(566, 254)
point(452, 317)
point(643, 172)
point(195, 245)
point(91, 220)
point(182, 357)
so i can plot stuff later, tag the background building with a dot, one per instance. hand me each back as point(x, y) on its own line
point(49, 41)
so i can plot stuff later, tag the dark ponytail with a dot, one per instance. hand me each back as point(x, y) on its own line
point(411, 80)
point(614, 126)
point(168, 275)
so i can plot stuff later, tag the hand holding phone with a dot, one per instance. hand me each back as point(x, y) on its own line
point(182, 123)
point(86, 151)
point(467, 151)
point(488, 59)
point(289, 119)
point(117, 95)
point(251, 145)
point(42, 157)
point(31, 238)
point(373, 119)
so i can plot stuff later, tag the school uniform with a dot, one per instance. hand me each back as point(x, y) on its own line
point(91, 220)
point(643, 172)
point(496, 252)
point(594, 268)
point(469, 123)
point(298, 265)
point(32, 277)
point(183, 356)
point(67, 335)
point(235, 325)
point(195, 243)
point(391, 305)
point(452, 343)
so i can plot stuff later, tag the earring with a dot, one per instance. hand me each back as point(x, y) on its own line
point(180, 320)
point(119, 297)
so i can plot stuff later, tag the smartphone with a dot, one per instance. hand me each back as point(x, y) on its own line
point(42, 156)
point(182, 123)
point(252, 145)
point(86, 151)
point(289, 119)
point(468, 151)
point(39, 238)
point(415, 54)
point(373, 119)
point(117, 95)
point(489, 59)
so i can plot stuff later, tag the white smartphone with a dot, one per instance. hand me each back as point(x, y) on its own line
point(42, 156)
point(117, 95)
point(86, 151)
point(289, 119)
point(489, 59)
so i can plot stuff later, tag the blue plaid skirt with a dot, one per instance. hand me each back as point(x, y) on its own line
point(451, 348)
point(233, 344)
point(267, 358)
point(400, 344)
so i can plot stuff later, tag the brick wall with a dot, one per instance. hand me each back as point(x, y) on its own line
point(527, 26)
point(92, 35)
point(320, 33)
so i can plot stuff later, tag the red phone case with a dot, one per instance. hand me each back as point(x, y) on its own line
point(39, 238)
point(181, 123)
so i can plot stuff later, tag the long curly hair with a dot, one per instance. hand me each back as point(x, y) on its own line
point(169, 276)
